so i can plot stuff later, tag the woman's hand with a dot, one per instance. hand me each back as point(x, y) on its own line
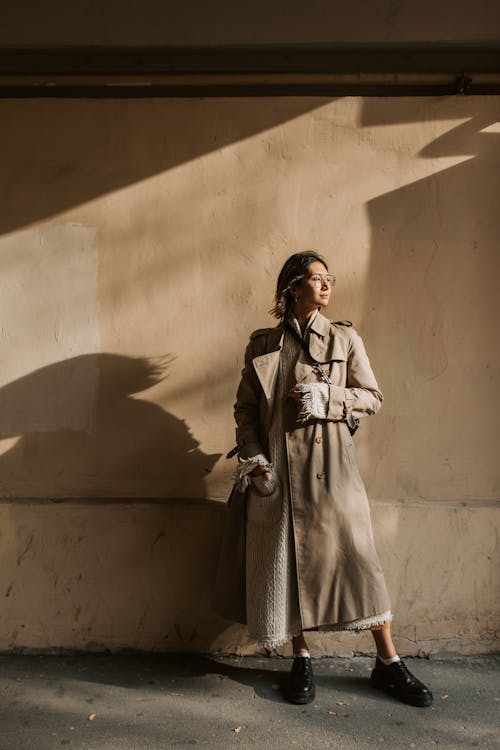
point(261, 470)
point(264, 480)
point(295, 393)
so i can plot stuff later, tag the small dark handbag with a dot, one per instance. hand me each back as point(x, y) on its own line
point(230, 583)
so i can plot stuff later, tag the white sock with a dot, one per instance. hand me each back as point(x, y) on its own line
point(391, 660)
point(303, 653)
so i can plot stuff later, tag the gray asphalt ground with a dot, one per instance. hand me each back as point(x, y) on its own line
point(131, 702)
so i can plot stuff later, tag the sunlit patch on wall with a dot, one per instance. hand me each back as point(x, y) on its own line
point(7, 443)
point(494, 128)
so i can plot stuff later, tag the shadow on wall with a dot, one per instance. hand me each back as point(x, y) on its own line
point(82, 432)
point(79, 150)
point(434, 250)
point(76, 429)
point(436, 240)
point(117, 572)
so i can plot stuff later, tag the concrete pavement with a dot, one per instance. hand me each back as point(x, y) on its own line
point(136, 702)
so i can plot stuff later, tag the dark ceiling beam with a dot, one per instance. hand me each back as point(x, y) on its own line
point(384, 70)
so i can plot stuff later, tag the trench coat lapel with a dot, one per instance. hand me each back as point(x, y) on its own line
point(324, 345)
point(316, 343)
point(266, 367)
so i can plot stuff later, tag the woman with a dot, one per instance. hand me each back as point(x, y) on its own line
point(311, 563)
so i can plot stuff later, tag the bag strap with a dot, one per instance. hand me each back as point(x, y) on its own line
point(315, 362)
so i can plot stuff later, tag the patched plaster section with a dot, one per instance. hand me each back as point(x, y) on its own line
point(49, 316)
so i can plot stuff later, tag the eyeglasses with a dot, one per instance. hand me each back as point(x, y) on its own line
point(318, 279)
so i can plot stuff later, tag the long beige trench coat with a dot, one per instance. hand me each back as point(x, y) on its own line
point(339, 578)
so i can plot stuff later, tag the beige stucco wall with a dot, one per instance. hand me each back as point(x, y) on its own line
point(139, 246)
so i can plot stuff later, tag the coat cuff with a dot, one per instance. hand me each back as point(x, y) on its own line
point(337, 402)
point(249, 449)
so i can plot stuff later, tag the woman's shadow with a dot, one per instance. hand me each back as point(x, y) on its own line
point(81, 432)
point(76, 433)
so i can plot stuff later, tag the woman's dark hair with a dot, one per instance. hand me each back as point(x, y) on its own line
point(292, 272)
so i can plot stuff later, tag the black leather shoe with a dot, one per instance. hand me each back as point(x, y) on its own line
point(397, 680)
point(301, 686)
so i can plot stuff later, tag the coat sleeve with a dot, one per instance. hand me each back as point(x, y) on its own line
point(361, 396)
point(247, 409)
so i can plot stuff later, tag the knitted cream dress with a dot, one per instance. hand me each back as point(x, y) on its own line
point(272, 595)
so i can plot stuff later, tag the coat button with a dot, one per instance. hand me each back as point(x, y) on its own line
point(320, 475)
point(318, 439)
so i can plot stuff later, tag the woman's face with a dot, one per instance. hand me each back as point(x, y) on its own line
point(315, 288)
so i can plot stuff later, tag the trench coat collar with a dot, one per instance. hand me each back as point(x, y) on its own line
point(320, 325)
point(325, 342)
